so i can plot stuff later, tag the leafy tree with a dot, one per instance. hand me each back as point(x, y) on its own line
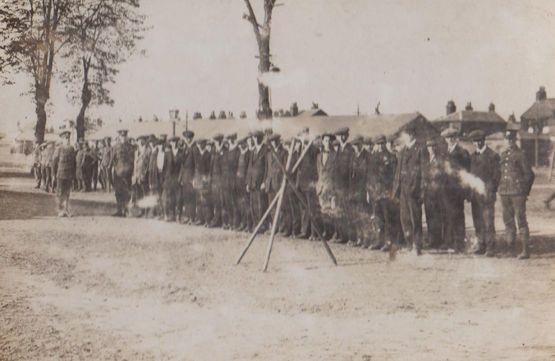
point(101, 34)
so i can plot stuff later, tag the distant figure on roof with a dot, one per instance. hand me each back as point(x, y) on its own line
point(222, 115)
point(315, 106)
point(491, 107)
point(243, 114)
point(469, 107)
point(212, 115)
point(294, 109)
point(230, 115)
point(451, 107)
point(541, 94)
point(197, 115)
point(377, 109)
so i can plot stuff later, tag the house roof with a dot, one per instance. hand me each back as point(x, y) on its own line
point(540, 110)
point(469, 120)
point(373, 125)
point(313, 113)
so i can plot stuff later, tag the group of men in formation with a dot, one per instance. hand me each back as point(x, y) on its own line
point(365, 192)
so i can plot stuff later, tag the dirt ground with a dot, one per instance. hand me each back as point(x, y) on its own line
point(93, 287)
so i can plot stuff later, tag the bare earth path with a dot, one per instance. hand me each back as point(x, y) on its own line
point(99, 288)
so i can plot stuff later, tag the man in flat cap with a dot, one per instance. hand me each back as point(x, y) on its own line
point(243, 204)
point(255, 178)
point(434, 178)
point(307, 176)
point(201, 182)
point(407, 188)
point(274, 175)
point(231, 213)
point(217, 180)
point(122, 160)
point(458, 160)
point(170, 174)
point(381, 174)
point(187, 201)
point(484, 164)
point(360, 214)
point(64, 164)
point(343, 177)
point(515, 184)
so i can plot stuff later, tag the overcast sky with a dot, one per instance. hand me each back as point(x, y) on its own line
point(408, 54)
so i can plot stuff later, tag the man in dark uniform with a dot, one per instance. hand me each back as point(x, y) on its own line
point(433, 191)
point(274, 176)
point(484, 164)
point(232, 213)
point(307, 176)
point(408, 189)
point(381, 174)
point(201, 182)
point(343, 177)
point(155, 179)
point(325, 186)
point(255, 178)
point(358, 196)
point(187, 201)
point(290, 205)
point(515, 184)
point(170, 174)
point(245, 216)
point(122, 161)
point(458, 160)
point(217, 180)
point(64, 166)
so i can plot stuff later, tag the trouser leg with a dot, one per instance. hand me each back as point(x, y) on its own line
point(508, 211)
point(434, 219)
point(477, 220)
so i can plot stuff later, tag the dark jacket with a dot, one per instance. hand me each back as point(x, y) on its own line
point(517, 176)
point(381, 174)
point(307, 174)
point(217, 167)
point(326, 171)
point(229, 166)
point(486, 167)
point(155, 178)
point(65, 162)
point(359, 174)
point(408, 175)
point(434, 176)
point(201, 181)
point(187, 170)
point(344, 167)
point(123, 159)
point(274, 175)
point(256, 169)
point(171, 168)
point(243, 165)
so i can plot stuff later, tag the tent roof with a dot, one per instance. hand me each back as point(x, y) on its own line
point(540, 110)
point(387, 124)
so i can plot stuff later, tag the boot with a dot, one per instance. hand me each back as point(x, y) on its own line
point(525, 254)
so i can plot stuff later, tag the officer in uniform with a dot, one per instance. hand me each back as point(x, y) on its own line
point(515, 184)
point(484, 164)
point(64, 165)
point(122, 162)
point(408, 189)
point(458, 160)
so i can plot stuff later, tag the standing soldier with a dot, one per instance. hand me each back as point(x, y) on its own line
point(274, 175)
point(326, 188)
point(458, 160)
point(217, 181)
point(229, 172)
point(484, 164)
point(140, 168)
point(88, 165)
point(95, 153)
point(358, 200)
point(291, 211)
point(155, 180)
point(186, 175)
point(343, 174)
point(64, 163)
point(408, 189)
point(106, 164)
point(170, 174)
point(381, 175)
point(47, 161)
point(255, 178)
point(80, 182)
point(122, 162)
point(515, 184)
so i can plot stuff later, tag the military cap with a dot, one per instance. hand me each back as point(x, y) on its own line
point(63, 133)
point(122, 131)
point(232, 136)
point(219, 137)
point(449, 133)
point(188, 134)
point(342, 131)
point(258, 134)
point(163, 137)
point(152, 138)
point(380, 139)
point(174, 139)
point(274, 136)
point(476, 135)
point(358, 140)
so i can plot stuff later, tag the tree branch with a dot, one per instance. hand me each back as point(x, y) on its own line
point(252, 19)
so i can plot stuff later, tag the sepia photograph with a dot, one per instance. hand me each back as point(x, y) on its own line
point(358, 180)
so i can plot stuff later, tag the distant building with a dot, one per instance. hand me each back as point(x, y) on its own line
point(538, 129)
point(469, 119)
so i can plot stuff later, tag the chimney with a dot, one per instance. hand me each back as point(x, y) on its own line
point(491, 108)
point(243, 114)
point(541, 94)
point(451, 107)
point(469, 107)
point(294, 109)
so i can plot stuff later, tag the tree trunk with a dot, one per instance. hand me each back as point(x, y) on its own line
point(86, 97)
point(264, 109)
point(41, 98)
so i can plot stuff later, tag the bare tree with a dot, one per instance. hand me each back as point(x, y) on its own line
point(262, 34)
point(31, 41)
point(102, 34)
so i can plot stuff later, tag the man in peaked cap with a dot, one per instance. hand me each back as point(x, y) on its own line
point(343, 173)
point(64, 164)
point(231, 212)
point(122, 160)
point(458, 160)
point(407, 187)
point(484, 164)
point(515, 184)
point(187, 201)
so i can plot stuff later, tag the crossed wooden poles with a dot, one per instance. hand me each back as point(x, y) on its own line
point(277, 201)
